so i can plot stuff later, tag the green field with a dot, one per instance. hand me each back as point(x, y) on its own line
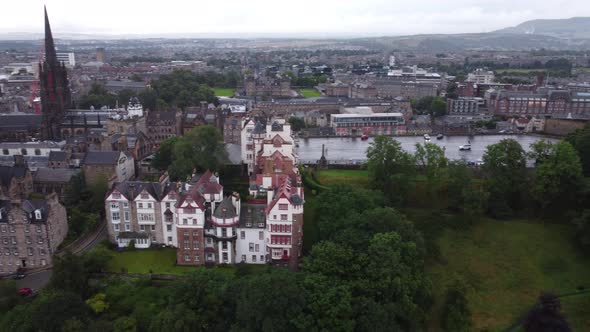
point(158, 261)
point(223, 92)
point(354, 177)
point(309, 93)
point(505, 265)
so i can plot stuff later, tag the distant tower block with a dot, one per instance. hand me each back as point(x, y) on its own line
point(100, 56)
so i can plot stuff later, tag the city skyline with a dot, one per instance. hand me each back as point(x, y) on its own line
point(329, 18)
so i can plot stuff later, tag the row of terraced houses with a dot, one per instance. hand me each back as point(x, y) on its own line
point(207, 226)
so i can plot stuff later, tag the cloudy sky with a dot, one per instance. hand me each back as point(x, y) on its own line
point(301, 17)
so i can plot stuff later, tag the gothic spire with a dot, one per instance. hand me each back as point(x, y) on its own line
point(50, 55)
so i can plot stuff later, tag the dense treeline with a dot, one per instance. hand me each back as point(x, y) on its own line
point(179, 89)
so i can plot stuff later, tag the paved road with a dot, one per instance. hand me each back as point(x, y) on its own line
point(38, 280)
point(347, 148)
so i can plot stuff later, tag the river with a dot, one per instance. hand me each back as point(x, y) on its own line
point(347, 148)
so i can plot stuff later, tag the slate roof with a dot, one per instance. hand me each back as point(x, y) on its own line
point(133, 235)
point(5, 207)
point(57, 156)
point(225, 210)
point(55, 175)
point(131, 189)
point(21, 121)
point(102, 157)
point(259, 128)
point(9, 172)
point(276, 126)
point(29, 206)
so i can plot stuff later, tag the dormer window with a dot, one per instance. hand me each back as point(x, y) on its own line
point(38, 214)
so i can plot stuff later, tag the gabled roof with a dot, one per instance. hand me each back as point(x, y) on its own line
point(31, 205)
point(131, 189)
point(57, 156)
point(226, 209)
point(9, 172)
point(102, 158)
point(252, 214)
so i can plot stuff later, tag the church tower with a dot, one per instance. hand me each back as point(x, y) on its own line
point(55, 90)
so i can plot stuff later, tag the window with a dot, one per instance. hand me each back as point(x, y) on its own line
point(142, 227)
point(195, 233)
point(251, 246)
point(261, 235)
point(243, 258)
point(116, 195)
point(39, 239)
point(30, 251)
point(283, 206)
point(116, 227)
point(223, 232)
point(197, 258)
point(145, 196)
point(146, 217)
point(4, 228)
point(127, 215)
point(149, 205)
point(13, 239)
point(190, 210)
point(125, 204)
point(153, 227)
point(262, 258)
point(169, 228)
point(38, 214)
point(140, 205)
point(242, 235)
point(187, 258)
point(195, 245)
point(253, 258)
point(224, 245)
point(225, 259)
point(187, 244)
point(23, 152)
point(184, 221)
point(167, 205)
point(37, 152)
point(170, 239)
point(284, 217)
point(116, 216)
point(5, 152)
point(127, 227)
point(209, 240)
point(257, 248)
point(38, 229)
point(114, 206)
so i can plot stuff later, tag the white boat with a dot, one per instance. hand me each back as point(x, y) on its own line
point(466, 147)
point(427, 137)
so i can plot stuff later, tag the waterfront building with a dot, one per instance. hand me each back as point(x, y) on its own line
point(368, 124)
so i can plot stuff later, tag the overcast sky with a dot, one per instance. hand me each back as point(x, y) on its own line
point(300, 17)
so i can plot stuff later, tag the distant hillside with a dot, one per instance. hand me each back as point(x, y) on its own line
point(575, 27)
point(476, 41)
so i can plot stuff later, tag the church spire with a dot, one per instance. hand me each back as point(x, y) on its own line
point(50, 54)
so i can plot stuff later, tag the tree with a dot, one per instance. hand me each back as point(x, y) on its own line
point(456, 315)
point(124, 96)
point(438, 107)
point(73, 325)
point(580, 139)
point(546, 317)
point(69, 274)
point(98, 303)
point(54, 308)
point(9, 296)
point(176, 319)
point(558, 176)
point(390, 167)
point(125, 324)
point(431, 158)
point(452, 91)
point(505, 169)
point(96, 260)
point(200, 148)
point(328, 305)
point(296, 123)
point(269, 302)
point(164, 156)
point(582, 224)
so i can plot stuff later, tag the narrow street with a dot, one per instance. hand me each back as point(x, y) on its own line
point(39, 279)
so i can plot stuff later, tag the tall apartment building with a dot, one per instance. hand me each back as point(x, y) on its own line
point(481, 76)
point(31, 231)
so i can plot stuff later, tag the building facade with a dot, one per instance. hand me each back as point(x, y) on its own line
point(31, 231)
point(368, 124)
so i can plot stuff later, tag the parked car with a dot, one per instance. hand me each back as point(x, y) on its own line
point(19, 274)
point(25, 291)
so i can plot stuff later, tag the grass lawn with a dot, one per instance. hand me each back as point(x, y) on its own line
point(505, 265)
point(332, 176)
point(159, 261)
point(223, 92)
point(309, 93)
